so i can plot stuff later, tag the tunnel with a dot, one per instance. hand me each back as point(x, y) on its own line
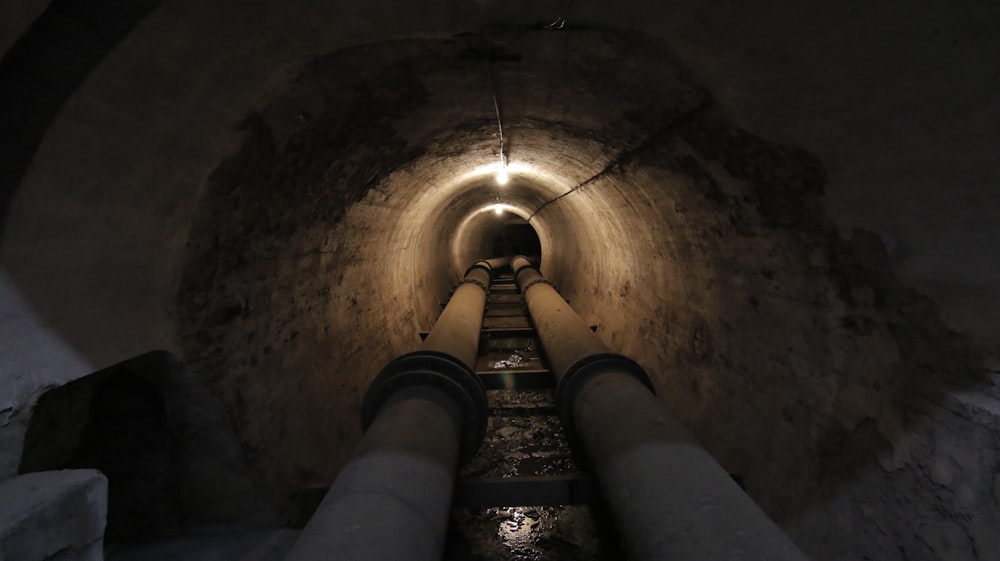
point(781, 213)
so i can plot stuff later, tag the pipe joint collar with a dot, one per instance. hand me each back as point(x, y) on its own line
point(528, 264)
point(585, 369)
point(440, 371)
point(484, 265)
point(539, 280)
point(476, 282)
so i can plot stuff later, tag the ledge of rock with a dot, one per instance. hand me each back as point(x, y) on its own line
point(53, 515)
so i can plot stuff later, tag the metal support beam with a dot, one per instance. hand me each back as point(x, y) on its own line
point(671, 500)
point(423, 414)
point(526, 490)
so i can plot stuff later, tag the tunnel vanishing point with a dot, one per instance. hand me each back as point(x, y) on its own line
point(235, 266)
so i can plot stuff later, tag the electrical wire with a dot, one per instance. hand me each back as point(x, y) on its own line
point(496, 107)
point(630, 154)
point(560, 22)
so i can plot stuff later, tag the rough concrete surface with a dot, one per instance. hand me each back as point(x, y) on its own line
point(782, 211)
point(804, 367)
point(33, 359)
point(53, 515)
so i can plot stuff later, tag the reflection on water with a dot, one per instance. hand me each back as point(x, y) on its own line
point(518, 358)
point(516, 526)
point(522, 533)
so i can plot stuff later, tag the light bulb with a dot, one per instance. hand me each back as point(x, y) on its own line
point(502, 176)
point(498, 209)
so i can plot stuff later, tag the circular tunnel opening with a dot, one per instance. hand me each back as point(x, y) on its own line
point(693, 246)
point(516, 237)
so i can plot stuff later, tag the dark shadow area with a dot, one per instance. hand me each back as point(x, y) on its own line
point(517, 237)
point(173, 465)
point(43, 69)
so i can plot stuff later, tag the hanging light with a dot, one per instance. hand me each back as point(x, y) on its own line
point(502, 177)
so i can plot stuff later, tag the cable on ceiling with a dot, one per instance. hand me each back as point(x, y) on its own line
point(628, 155)
point(560, 22)
point(496, 107)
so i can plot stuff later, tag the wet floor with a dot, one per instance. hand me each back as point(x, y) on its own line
point(525, 458)
point(530, 534)
point(523, 437)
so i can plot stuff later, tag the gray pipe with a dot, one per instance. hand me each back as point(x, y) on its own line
point(392, 499)
point(423, 414)
point(671, 500)
point(456, 332)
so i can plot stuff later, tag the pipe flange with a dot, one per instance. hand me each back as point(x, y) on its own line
point(479, 265)
point(530, 264)
point(539, 280)
point(440, 371)
point(585, 369)
point(480, 284)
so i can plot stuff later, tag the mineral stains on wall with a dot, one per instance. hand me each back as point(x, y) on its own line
point(331, 238)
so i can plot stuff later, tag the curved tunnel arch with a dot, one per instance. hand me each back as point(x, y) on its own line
point(721, 276)
point(513, 235)
point(655, 219)
point(416, 226)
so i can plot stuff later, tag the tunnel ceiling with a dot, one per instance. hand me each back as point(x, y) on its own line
point(414, 120)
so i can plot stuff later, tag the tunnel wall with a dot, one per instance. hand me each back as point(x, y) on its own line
point(697, 248)
point(106, 225)
point(758, 324)
point(913, 82)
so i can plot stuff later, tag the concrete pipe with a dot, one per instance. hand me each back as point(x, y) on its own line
point(671, 500)
point(456, 332)
point(498, 263)
point(423, 414)
point(392, 499)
